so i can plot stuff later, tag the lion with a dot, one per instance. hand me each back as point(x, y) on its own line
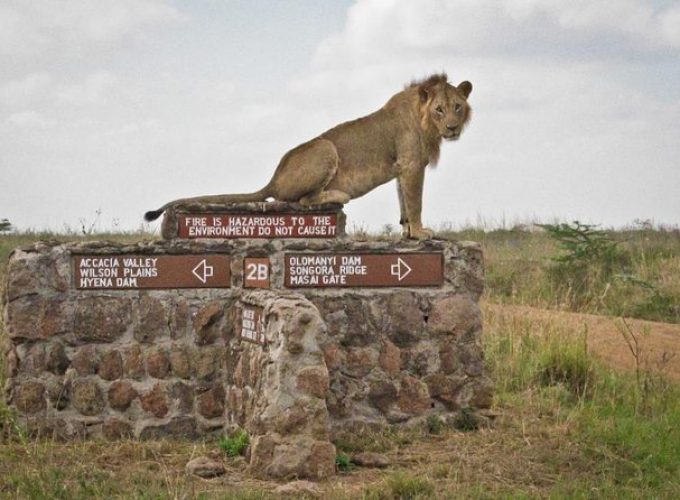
point(396, 142)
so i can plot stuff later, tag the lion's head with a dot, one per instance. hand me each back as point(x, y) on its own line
point(444, 107)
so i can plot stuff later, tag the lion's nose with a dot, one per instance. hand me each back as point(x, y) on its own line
point(452, 128)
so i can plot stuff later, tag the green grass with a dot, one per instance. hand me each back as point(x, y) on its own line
point(236, 444)
point(629, 427)
point(640, 279)
point(401, 485)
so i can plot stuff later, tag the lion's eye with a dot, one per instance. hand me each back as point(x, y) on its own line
point(439, 109)
point(458, 107)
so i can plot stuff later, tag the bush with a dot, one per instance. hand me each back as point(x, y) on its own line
point(343, 462)
point(236, 444)
point(466, 420)
point(582, 274)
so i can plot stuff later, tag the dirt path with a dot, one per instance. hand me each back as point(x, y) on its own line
point(657, 341)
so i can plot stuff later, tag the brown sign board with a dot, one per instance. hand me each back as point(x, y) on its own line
point(227, 226)
point(256, 272)
point(363, 269)
point(129, 272)
point(252, 324)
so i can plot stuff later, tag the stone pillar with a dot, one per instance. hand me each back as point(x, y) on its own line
point(278, 387)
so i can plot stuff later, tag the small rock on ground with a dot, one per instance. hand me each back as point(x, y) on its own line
point(205, 467)
point(371, 459)
point(298, 488)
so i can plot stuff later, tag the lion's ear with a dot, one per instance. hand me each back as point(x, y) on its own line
point(465, 88)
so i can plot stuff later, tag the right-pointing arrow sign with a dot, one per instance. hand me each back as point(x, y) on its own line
point(401, 269)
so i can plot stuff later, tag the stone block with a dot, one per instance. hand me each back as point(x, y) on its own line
point(414, 398)
point(37, 317)
point(183, 394)
point(110, 365)
point(33, 273)
point(383, 394)
point(180, 427)
point(334, 356)
point(29, 397)
point(205, 364)
point(115, 428)
point(455, 315)
point(299, 457)
point(390, 358)
point(179, 318)
point(86, 360)
point(86, 396)
point(445, 388)
point(101, 319)
point(180, 362)
point(155, 401)
point(153, 320)
point(121, 394)
point(313, 380)
point(206, 328)
point(133, 364)
point(57, 361)
point(406, 320)
point(58, 391)
point(360, 361)
point(157, 363)
point(210, 403)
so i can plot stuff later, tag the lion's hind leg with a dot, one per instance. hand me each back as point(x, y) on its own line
point(330, 196)
point(306, 171)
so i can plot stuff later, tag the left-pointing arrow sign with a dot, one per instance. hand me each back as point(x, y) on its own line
point(203, 271)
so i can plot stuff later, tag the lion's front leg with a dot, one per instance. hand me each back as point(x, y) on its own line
point(410, 183)
point(403, 218)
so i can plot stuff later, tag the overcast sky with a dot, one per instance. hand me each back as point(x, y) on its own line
point(121, 105)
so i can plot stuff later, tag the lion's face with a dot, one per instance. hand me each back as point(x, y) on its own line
point(448, 108)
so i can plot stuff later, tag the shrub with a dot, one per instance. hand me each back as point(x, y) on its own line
point(466, 420)
point(343, 462)
point(583, 272)
point(434, 424)
point(236, 444)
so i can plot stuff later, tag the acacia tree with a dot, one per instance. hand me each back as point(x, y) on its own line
point(5, 225)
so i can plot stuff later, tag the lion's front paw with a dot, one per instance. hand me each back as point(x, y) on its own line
point(418, 233)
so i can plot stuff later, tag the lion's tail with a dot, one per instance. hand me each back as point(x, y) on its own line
point(260, 195)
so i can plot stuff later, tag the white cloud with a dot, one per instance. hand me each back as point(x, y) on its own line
point(393, 28)
point(670, 25)
point(30, 27)
point(24, 90)
point(93, 89)
point(30, 119)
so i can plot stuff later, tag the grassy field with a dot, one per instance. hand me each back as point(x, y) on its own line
point(564, 424)
point(636, 274)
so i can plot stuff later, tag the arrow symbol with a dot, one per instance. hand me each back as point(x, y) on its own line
point(203, 271)
point(401, 269)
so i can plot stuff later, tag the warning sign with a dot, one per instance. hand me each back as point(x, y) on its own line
point(229, 226)
point(124, 272)
point(363, 270)
point(252, 324)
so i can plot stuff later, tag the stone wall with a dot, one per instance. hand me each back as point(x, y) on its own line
point(172, 362)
